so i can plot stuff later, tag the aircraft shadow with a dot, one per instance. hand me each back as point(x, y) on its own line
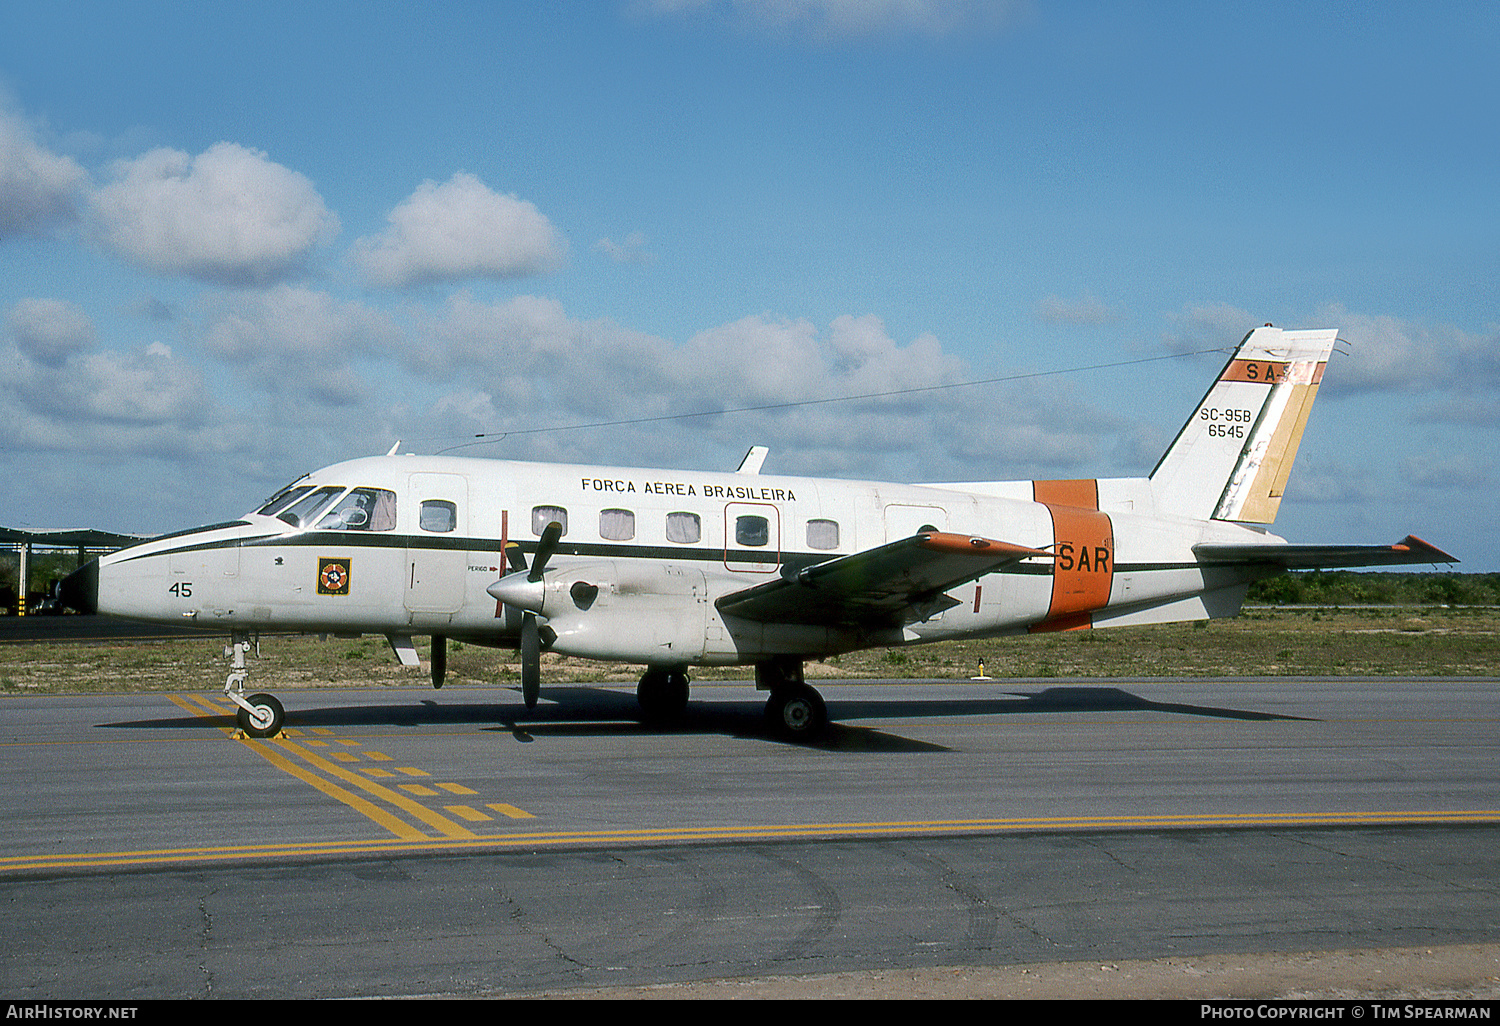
point(594, 712)
point(1069, 699)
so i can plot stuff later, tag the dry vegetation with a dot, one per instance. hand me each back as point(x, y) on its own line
point(1403, 641)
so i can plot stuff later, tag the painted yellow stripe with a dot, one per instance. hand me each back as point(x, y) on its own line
point(510, 810)
point(437, 821)
point(1466, 817)
point(367, 808)
point(200, 706)
point(470, 814)
point(375, 813)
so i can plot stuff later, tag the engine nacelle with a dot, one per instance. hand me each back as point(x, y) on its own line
point(641, 613)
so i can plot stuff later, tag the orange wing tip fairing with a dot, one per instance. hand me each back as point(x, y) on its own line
point(1411, 543)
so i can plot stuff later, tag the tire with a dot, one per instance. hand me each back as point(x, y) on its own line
point(663, 695)
point(268, 719)
point(796, 712)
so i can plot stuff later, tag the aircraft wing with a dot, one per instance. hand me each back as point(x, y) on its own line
point(1411, 549)
point(892, 585)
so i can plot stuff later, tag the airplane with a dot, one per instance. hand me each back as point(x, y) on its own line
point(672, 569)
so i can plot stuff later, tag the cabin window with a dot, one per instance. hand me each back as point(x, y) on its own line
point(822, 534)
point(541, 516)
point(752, 530)
point(363, 509)
point(684, 528)
point(438, 515)
point(306, 509)
point(616, 525)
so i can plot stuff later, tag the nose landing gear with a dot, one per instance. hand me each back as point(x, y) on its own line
point(259, 715)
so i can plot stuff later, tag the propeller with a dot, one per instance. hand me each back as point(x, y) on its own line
point(531, 643)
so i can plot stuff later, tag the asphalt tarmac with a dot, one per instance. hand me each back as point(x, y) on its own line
point(412, 842)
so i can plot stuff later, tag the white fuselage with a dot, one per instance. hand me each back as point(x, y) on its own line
point(656, 550)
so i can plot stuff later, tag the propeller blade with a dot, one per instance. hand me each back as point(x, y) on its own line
point(439, 659)
point(544, 550)
point(516, 558)
point(531, 661)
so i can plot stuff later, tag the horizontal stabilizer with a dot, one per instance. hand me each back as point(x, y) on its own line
point(1411, 549)
point(892, 585)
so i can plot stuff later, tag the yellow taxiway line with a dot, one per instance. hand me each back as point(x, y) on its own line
point(762, 832)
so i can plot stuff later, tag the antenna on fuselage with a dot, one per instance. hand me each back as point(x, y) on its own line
point(394, 448)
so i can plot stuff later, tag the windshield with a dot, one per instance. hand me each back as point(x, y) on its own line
point(306, 508)
point(282, 499)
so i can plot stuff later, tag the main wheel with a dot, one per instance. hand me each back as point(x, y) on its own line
point(663, 694)
point(267, 718)
point(797, 712)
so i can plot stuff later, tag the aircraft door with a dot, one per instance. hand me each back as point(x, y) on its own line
point(437, 553)
point(752, 537)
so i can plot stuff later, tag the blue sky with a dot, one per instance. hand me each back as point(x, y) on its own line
point(239, 241)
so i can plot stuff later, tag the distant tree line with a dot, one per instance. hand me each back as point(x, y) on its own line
point(1351, 588)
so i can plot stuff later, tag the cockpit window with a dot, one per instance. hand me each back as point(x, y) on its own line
point(282, 499)
point(363, 509)
point(307, 507)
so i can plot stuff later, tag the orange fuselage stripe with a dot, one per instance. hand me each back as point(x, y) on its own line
point(1082, 493)
point(1083, 568)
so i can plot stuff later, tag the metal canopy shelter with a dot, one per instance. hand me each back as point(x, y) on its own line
point(81, 540)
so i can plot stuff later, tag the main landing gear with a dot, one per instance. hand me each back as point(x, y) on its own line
point(258, 715)
point(794, 711)
point(663, 694)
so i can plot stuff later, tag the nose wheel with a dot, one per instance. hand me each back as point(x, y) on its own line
point(262, 718)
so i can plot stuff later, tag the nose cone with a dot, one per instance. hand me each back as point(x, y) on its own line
point(517, 591)
point(80, 589)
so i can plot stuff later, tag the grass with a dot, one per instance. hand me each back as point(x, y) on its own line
point(1400, 641)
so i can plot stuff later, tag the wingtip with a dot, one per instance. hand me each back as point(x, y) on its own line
point(1431, 553)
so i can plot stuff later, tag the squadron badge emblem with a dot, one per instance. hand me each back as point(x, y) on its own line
point(333, 576)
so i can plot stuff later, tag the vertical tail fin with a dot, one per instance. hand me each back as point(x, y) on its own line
point(1232, 458)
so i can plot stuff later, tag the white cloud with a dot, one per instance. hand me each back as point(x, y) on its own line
point(1388, 354)
point(631, 251)
point(1208, 326)
point(144, 402)
point(459, 230)
point(1085, 309)
point(230, 216)
point(297, 341)
point(524, 364)
point(854, 19)
point(49, 331)
point(1445, 470)
point(38, 189)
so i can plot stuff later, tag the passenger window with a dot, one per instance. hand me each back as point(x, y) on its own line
point(616, 525)
point(822, 534)
point(752, 530)
point(438, 515)
point(541, 516)
point(684, 528)
point(363, 509)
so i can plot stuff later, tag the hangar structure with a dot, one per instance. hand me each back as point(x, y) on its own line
point(84, 541)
